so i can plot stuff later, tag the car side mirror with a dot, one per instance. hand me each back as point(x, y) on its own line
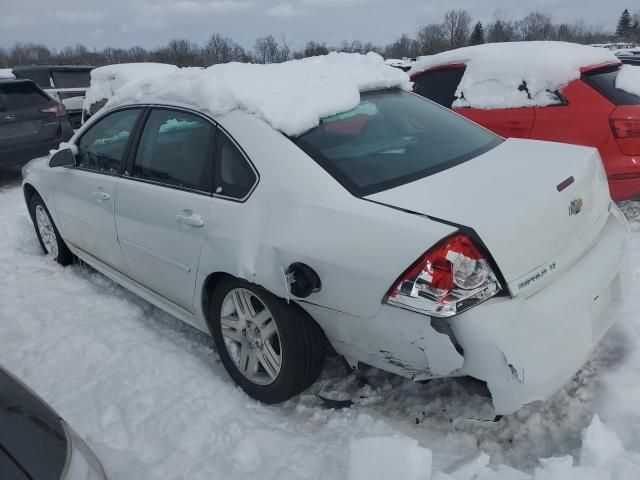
point(62, 158)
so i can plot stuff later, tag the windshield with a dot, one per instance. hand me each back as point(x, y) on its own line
point(393, 137)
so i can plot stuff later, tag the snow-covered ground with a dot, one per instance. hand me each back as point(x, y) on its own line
point(151, 398)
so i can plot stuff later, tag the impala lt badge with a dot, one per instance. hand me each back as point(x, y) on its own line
point(575, 207)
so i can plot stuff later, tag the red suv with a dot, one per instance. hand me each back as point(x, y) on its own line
point(589, 111)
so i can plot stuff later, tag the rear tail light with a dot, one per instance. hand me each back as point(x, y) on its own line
point(449, 278)
point(627, 133)
point(59, 109)
point(625, 128)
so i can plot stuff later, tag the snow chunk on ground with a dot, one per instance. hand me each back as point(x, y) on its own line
point(628, 79)
point(106, 81)
point(6, 73)
point(496, 71)
point(384, 458)
point(292, 96)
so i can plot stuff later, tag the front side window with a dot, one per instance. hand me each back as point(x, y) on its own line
point(233, 176)
point(176, 149)
point(103, 146)
point(393, 137)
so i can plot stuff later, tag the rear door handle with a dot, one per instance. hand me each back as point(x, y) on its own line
point(101, 195)
point(187, 217)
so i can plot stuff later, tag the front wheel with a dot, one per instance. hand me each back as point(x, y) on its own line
point(48, 235)
point(272, 349)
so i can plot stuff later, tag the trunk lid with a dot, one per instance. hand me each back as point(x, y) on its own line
point(537, 206)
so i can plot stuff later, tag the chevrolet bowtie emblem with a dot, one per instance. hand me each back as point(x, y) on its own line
point(575, 207)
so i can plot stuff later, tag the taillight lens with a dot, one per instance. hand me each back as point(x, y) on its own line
point(625, 128)
point(627, 134)
point(451, 277)
point(59, 109)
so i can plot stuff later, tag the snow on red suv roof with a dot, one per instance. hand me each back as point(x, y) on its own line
point(495, 72)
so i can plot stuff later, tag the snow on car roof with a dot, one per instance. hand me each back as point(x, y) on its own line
point(292, 96)
point(495, 72)
point(6, 73)
point(106, 81)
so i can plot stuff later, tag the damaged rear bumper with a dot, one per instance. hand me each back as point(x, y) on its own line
point(526, 349)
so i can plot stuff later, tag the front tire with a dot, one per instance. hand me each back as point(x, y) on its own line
point(273, 350)
point(48, 235)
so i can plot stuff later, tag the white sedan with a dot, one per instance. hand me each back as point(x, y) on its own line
point(402, 234)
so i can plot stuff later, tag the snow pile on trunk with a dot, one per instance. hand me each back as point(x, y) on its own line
point(628, 79)
point(292, 96)
point(516, 74)
point(6, 73)
point(106, 81)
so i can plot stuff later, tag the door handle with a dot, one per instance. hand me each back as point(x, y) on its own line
point(101, 195)
point(189, 218)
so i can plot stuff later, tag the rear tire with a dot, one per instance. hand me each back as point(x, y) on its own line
point(273, 350)
point(48, 235)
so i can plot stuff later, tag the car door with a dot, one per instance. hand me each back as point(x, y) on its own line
point(163, 203)
point(84, 195)
point(506, 122)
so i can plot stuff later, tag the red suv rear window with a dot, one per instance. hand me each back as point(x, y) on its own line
point(604, 81)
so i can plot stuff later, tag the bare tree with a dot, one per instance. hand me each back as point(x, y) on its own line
point(456, 27)
point(432, 39)
point(405, 46)
point(219, 49)
point(312, 49)
point(265, 49)
point(502, 29)
point(179, 52)
point(536, 26)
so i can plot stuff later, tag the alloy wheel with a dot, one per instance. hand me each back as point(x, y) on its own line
point(46, 230)
point(251, 336)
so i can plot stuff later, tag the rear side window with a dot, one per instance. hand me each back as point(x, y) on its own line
point(233, 176)
point(393, 137)
point(439, 85)
point(71, 78)
point(604, 81)
point(103, 146)
point(22, 96)
point(176, 149)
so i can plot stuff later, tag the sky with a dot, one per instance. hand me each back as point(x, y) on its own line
point(151, 23)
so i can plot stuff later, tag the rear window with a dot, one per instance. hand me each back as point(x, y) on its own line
point(604, 81)
point(38, 75)
point(71, 78)
point(393, 137)
point(21, 96)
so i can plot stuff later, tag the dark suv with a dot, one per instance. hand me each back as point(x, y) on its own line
point(31, 122)
point(67, 84)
